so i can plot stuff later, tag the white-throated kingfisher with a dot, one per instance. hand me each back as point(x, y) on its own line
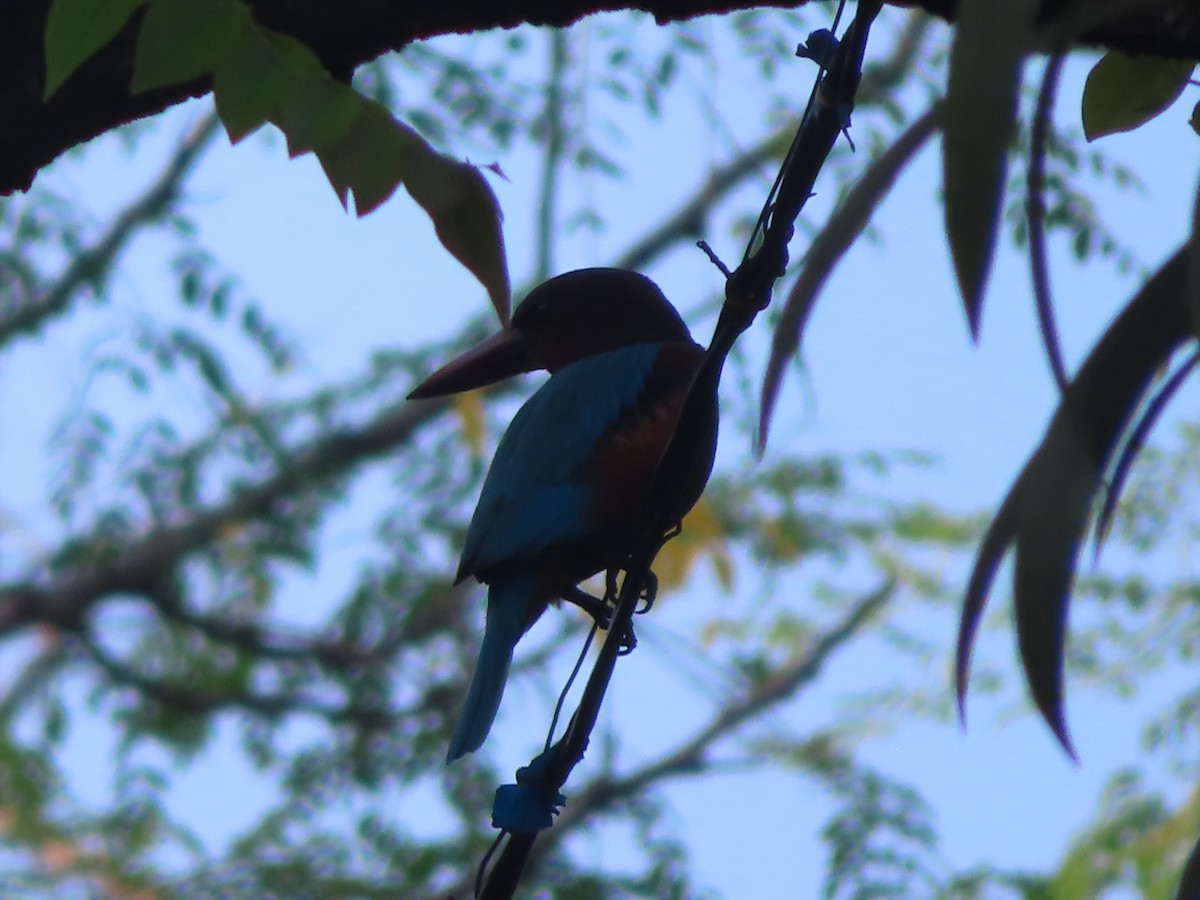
point(570, 476)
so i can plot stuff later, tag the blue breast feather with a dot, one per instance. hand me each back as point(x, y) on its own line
point(534, 495)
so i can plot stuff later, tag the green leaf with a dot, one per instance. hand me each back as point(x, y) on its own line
point(76, 30)
point(181, 40)
point(318, 112)
point(364, 150)
point(990, 41)
point(466, 216)
point(368, 160)
point(269, 77)
point(249, 83)
point(1124, 92)
point(1047, 509)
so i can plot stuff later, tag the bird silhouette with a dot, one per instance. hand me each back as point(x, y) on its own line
point(571, 474)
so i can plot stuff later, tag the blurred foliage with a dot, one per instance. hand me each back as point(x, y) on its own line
point(157, 632)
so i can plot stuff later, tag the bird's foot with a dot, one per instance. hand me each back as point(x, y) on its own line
point(601, 612)
point(649, 593)
point(646, 596)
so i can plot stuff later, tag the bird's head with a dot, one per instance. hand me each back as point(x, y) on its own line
point(561, 321)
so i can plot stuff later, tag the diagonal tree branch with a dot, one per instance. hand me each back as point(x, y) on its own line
point(186, 698)
point(139, 566)
point(93, 263)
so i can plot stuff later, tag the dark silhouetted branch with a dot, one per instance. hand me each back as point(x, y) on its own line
point(691, 757)
point(748, 292)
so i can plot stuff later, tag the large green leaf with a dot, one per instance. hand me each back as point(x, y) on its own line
point(1124, 92)
point(259, 78)
point(365, 152)
point(269, 77)
point(76, 30)
point(184, 39)
point(466, 216)
point(1046, 513)
point(990, 41)
point(368, 160)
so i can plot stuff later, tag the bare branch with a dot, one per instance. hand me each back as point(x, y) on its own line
point(92, 264)
point(185, 698)
point(139, 566)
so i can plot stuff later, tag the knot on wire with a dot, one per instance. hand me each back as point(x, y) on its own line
point(530, 805)
point(820, 47)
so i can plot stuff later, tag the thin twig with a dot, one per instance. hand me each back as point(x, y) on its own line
point(186, 698)
point(139, 566)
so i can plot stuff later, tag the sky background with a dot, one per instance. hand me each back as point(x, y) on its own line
point(889, 365)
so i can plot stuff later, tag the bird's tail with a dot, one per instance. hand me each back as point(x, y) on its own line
point(506, 618)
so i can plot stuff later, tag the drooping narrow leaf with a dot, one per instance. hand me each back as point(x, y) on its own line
point(1046, 512)
point(1124, 92)
point(1189, 882)
point(1193, 250)
point(1051, 527)
point(1133, 446)
point(76, 30)
point(990, 41)
point(992, 549)
point(184, 39)
point(827, 249)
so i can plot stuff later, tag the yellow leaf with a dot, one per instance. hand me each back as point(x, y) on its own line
point(469, 407)
point(701, 536)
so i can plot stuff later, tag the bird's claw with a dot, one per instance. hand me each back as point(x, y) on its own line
point(602, 611)
point(648, 594)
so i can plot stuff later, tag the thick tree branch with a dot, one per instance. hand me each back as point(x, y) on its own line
point(184, 697)
point(344, 35)
point(140, 566)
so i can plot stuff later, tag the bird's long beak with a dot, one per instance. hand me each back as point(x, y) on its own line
point(501, 356)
